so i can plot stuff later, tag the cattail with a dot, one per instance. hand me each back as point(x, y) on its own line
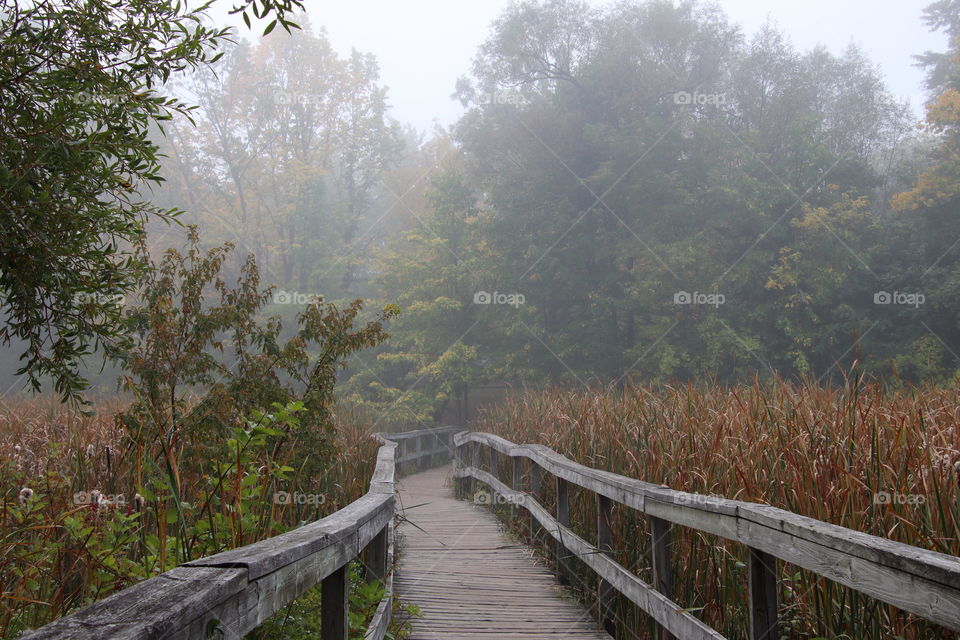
point(139, 501)
point(26, 494)
point(91, 451)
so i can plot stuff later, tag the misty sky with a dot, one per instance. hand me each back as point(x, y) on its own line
point(424, 45)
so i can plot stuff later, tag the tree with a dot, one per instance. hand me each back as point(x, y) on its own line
point(289, 153)
point(647, 150)
point(431, 272)
point(202, 361)
point(80, 86)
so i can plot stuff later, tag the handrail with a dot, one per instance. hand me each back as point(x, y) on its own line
point(926, 583)
point(229, 594)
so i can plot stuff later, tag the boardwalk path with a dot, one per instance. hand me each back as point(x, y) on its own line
point(469, 580)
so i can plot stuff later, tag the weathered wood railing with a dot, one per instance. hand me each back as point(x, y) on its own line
point(922, 582)
point(229, 594)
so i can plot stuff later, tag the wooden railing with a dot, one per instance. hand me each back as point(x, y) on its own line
point(229, 594)
point(922, 582)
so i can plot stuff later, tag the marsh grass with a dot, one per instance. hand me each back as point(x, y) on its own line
point(57, 554)
point(828, 453)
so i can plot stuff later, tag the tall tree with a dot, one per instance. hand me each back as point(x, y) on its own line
point(80, 86)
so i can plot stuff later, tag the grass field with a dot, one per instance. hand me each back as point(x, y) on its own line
point(868, 458)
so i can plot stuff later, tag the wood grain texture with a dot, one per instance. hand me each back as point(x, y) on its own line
point(470, 581)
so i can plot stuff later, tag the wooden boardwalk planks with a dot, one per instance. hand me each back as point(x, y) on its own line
point(469, 580)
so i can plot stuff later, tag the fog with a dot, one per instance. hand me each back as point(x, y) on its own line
point(406, 38)
point(289, 286)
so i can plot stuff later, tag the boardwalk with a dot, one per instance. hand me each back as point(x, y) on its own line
point(472, 583)
point(469, 580)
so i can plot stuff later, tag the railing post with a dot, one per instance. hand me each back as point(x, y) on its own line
point(475, 463)
point(661, 542)
point(563, 517)
point(376, 564)
point(517, 483)
point(605, 544)
point(404, 450)
point(763, 596)
point(458, 467)
point(536, 490)
point(334, 604)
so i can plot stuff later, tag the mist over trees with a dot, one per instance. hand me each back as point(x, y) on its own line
point(642, 191)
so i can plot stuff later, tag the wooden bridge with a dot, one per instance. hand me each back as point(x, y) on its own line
point(471, 582)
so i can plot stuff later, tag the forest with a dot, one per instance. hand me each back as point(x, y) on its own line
point(652, 234)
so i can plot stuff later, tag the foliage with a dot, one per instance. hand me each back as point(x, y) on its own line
point(80, 88)
point(429, 271)
point(224, 416)
point(287, 157)
point(198, 370)
point(673, 201)
point(97, 521)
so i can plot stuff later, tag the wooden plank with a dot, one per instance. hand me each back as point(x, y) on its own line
point(922, 582)
point(167, 605)
point(408, 435)
point(425, 455)
point(376, 561)
point(272, 554)
point(665, 611)
point(763, 596)
point(563, 518)
point(661, 552)
point(929, 600)
point(516, 481)
point(335, 605)
point(380, 623)
point(930, 565)
point(605, 545)
point(469, 580)
point(536, 490)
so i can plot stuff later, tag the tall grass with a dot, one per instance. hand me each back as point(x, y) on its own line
point(833, 454)
point(58, 553)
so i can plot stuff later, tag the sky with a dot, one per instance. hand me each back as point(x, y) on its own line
point(423, 46)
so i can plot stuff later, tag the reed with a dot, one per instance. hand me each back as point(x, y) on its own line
point(864, 456)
